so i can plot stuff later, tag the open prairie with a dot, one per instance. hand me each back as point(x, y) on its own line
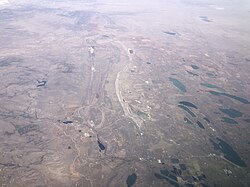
point(125, 93)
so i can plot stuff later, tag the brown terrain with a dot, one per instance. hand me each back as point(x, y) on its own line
point(125, 93)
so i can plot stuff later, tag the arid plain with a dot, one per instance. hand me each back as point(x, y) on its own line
point(125, 93)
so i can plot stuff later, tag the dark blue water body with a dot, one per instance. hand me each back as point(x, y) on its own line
point(178, 84)
point(131, 51)
point(41, 83)
point(191, 73)
point(188, 104)
point(142, 114)
point(240, 99)
point(187, 110)
point(229, 153)
point(211, 74)
point(212, 86)
point(175, 160)
point(164, 172)
point(68, 122)
point(200, 125)
point(205, 18)
point(231, 112)
point(101, 146)
point(170, 33)
point(131, 179)
point(194, 66)
point(229, 120)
